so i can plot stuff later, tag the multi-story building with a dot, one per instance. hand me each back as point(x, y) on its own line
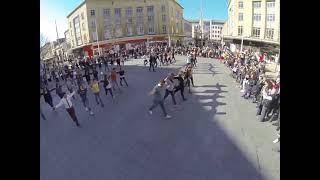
point(257, 22)
point(212, 29)
point(216, 28)
point(123, 23)
point(187, 29)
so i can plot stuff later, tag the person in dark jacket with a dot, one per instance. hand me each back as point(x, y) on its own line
point(122, 77)
point(180, 87)
point(47, 96)
point(151, 62)
point(95, 74)
point(59, 90)
point(87, 75)
point(82, 91)
point(107, 85)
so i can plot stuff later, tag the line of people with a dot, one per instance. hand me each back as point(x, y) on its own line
point(172, 84)
point(80, 83)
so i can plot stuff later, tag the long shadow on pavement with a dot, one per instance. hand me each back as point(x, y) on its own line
point(128, 143)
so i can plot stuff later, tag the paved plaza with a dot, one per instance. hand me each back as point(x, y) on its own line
point(214, 136)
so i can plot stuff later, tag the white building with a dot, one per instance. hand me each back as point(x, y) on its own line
point(212, 29)
point(216, 28)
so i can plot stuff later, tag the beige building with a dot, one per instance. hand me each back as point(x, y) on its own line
point(123, 23)
point(256, 21)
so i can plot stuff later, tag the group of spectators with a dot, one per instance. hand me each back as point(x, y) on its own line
point(250, 74)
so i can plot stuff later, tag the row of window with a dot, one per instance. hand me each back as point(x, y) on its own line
point(215, 31)
point(257, 4)
point(256, 32)
point(257, 17)
point(216, 27)
point(128, 10)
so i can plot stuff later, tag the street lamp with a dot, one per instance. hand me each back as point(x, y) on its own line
point(242, 42)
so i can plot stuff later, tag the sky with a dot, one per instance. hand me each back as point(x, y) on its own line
point(57, 10)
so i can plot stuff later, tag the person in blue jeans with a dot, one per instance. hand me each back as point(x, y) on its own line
point(82, 91)
point(156, 92)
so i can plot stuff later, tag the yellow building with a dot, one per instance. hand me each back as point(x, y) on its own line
point(256, 21)
point(124, 23)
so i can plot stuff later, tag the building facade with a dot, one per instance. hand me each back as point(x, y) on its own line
point(216, 29)
point(212, 29)
point(256, 21)
point(187, 29)
point(123, 23)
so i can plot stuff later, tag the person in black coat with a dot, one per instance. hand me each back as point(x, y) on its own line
point(180, 87)
point(151, 62)
point(47, 96)
point(59, 90)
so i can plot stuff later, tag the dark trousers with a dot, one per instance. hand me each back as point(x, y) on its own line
point(181, 89)
point(110, 90)
point(172, 95)
point(123, 79)
point(73, 116)
point(263, 111)
point(85, 102)
point(49, 101)
point(151, 66)
point(156, 103)
point(98, 98)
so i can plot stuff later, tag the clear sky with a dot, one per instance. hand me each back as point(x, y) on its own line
point(51, 10)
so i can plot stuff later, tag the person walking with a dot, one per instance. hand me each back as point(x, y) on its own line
point(107, 86)
point(47, 96)
point(59, 90)
point(156, 92)
point(82, 91)
point(96, 91)
point(122, 77)
point(70, 86)
point(114, 78)
point(180, 87)
point(66, 101)
point(170, 88)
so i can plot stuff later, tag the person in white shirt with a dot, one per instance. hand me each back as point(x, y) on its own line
point(66, 101)
point(170, 88)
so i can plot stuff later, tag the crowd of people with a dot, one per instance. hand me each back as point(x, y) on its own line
point(78, 75)
point(250, 74)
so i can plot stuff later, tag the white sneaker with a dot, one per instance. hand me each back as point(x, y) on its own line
point(87, 109)
point(150, 112)
point(168, 116)
point(91, 113)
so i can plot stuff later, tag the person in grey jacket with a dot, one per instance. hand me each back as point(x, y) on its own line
point(156, 92)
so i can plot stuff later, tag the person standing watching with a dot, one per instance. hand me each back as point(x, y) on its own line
point(66, 101)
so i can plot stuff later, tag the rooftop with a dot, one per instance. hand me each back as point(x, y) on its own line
point(76, 8)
